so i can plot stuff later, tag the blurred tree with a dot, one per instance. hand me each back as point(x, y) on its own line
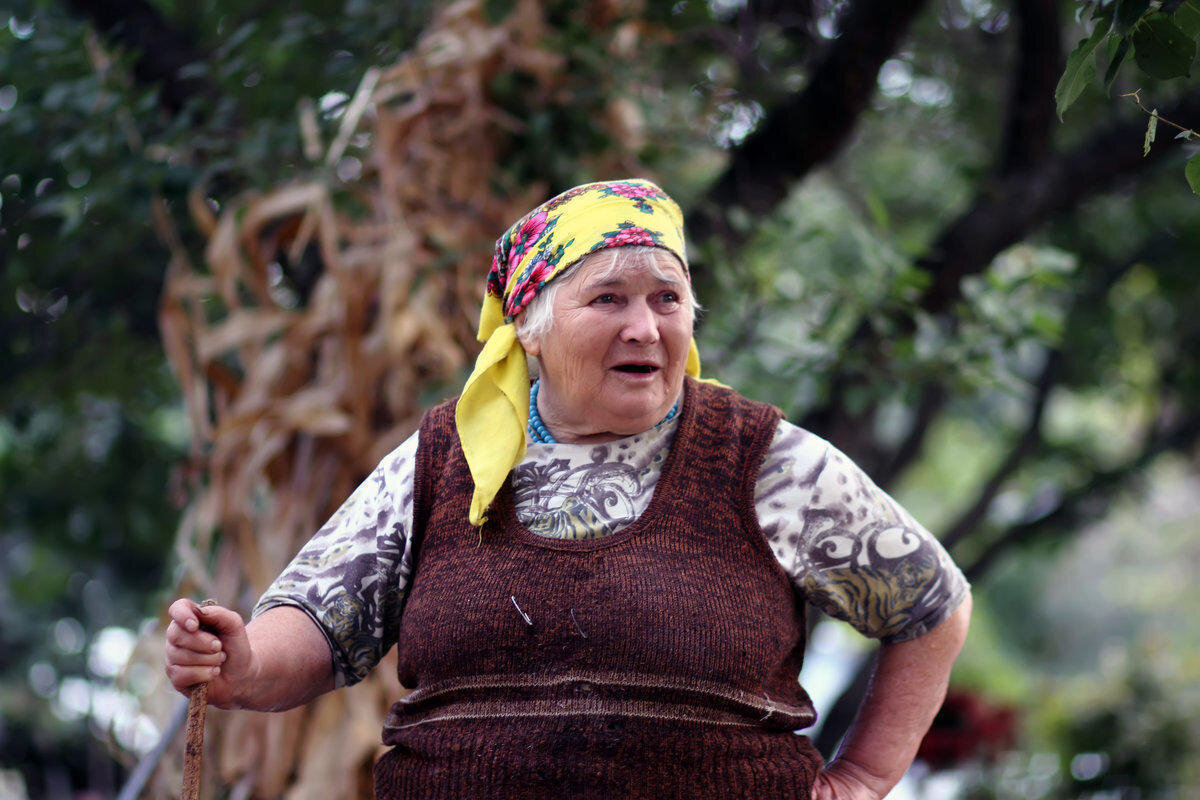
point(898, 243)
point(103, 107)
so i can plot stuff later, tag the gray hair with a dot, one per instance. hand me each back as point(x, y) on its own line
point(538, 317)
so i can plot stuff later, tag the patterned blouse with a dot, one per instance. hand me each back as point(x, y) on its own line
point(847, 546)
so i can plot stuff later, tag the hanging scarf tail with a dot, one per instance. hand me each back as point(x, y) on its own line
point(491, 417)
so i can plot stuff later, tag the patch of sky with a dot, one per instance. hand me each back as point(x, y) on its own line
point(102, 424)
point(831, 658)
point(43, 679)
point(332, 104)
point(110, 651)
point(349, 169)
point(69, 636)
point(19, 29)
point(977, 8)
point(12, 785)
point(738, 121)
point(930, 92)
point(725, 9)
point(895, 78)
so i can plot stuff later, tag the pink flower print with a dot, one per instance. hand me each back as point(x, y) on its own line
point(528, 235)
point(528, 284)
point(633, 190)
point(541, 271)
point(639, 193)
point(629, 234)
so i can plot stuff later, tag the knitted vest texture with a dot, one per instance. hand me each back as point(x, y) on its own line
point(657, 662)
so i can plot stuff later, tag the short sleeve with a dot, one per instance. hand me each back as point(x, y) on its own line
point(352, 576)
point(848, 548)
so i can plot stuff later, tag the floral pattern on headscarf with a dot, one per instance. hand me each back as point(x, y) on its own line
point(628, 234)
point(639, 193)
point(531, 253)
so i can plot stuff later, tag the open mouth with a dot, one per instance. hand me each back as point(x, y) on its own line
point(636, 368)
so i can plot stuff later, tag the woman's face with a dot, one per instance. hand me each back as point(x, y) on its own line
point(613, 362)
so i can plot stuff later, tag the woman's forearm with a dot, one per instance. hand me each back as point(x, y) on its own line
point(904, 694)
point(293, 662)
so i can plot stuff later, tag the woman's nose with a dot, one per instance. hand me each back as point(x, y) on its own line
point(640, 326)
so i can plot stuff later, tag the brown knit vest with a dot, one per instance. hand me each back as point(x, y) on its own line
point(658, 662)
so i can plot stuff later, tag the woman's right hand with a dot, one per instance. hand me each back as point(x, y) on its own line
point(209, 644)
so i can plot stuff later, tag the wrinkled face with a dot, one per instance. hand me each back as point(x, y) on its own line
point(613, 362)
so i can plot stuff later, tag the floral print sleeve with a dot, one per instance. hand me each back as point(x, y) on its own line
point(353, 574)
point(847, 546)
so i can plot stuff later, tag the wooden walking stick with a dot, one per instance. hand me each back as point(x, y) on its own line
point(194, 735)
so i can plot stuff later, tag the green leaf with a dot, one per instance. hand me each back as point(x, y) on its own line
point(1161, 48)
point(1187, 18)
point(878, 210)
point(1128, 14)
point(1081, 69)
point(1103, 14)
point(1151, 129)
point(1114, 63)
point(1192, 173)
point(1047, 327)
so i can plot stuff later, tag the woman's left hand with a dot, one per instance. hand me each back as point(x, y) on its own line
point(838, 782)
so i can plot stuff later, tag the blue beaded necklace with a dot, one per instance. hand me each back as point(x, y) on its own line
point(537, 428)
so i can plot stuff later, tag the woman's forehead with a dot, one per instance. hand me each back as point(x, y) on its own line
point(611, 265)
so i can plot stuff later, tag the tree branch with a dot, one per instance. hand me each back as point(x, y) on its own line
point(1005, 211)
point(809, 128)
point(1025, 444)
point(794, 17)
point(1030, 123)
point(1009, 208)
point(933, 398)
point(1088, 501)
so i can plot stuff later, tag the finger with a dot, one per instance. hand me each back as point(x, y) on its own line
point(221, 621)
point(182, 678)
point(201, 641)
point(183, 614)
point(192, 658)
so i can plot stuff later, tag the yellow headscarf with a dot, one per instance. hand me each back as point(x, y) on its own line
point(493, 409)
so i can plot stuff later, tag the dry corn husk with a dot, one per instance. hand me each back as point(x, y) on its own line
point(292, 404)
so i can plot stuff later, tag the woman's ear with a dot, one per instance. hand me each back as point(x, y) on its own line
point(529, 344)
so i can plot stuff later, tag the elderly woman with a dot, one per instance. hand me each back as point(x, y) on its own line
point(597, 583)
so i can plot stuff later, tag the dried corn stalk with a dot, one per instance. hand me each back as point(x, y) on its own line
point(292, 404)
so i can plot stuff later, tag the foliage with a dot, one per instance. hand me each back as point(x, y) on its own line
point(1162, 37)
point(1007, 348)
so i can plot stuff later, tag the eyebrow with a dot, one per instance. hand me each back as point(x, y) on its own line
point(617, 281)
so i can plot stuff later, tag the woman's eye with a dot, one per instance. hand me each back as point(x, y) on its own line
point(669, 297)
point(606, 298)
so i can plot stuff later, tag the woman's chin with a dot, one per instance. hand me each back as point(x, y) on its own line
point(639, 411)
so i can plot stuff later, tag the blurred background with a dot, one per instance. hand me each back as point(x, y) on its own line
point(243, 246)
